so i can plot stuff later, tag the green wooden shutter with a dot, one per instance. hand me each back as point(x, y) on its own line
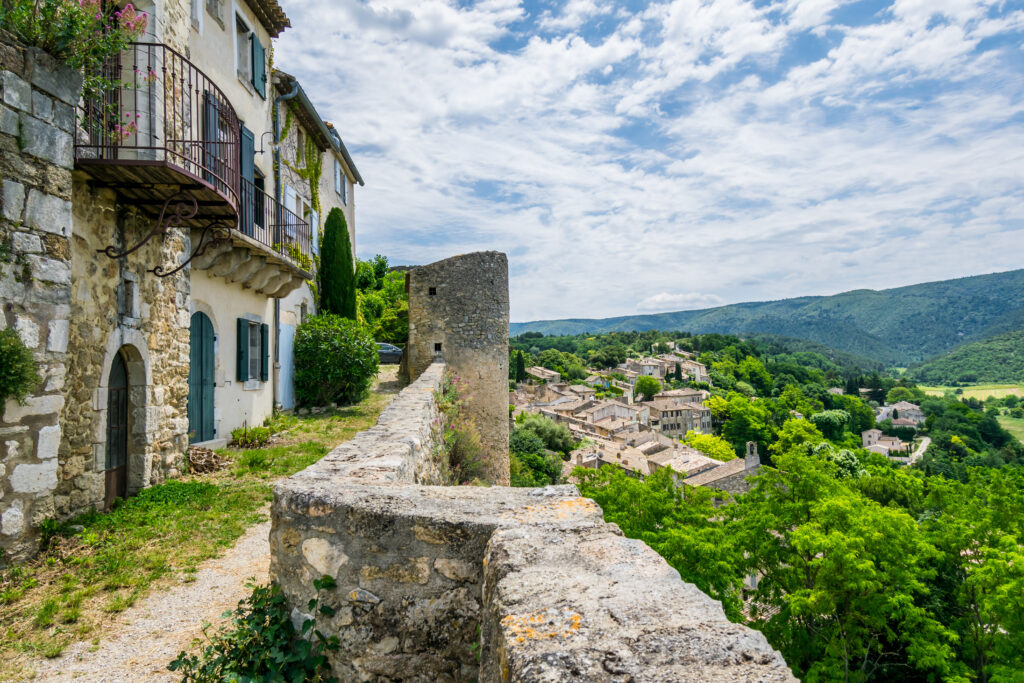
point(248, 169)
point(265, 350)
point(243, 349)
point(259, 67)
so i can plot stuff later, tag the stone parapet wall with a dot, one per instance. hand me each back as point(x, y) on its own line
point(37, 122)
point(487, 583)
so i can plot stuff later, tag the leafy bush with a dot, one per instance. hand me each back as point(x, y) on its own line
point(18, 375)
point(525, 441)
point(556, 437)
point(462, 449)
point(534, 469)
point(262, 644)
point(335, 361)
point(250, 437)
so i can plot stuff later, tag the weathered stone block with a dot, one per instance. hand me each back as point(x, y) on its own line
point(49, 270)
point(56, 79)
point(16, 91)
point(50, 404)
point(13, 196)
point(42, 106)
point(57, 337)
point(64, 117)
point(12, 521)
point(8, 121)
point(40, 139)
point(26, 243)
point(28, 331)
point(48, 213)
point(48, 442)
point(37, 479)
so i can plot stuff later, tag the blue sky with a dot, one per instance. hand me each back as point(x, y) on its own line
point(641, 157)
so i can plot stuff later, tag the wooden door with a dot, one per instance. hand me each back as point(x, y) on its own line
point(116, 474)
point(200, 379)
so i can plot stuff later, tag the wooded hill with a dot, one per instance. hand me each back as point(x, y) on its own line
point(996, 359)
point(898, 326)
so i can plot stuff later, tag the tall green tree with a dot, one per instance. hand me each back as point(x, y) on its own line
point(520, 367)
point(337, 274)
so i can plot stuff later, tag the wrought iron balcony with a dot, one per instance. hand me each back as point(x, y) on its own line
point(166, 123)
point(168, 141)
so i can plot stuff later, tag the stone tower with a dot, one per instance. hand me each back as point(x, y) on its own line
point(458, 311)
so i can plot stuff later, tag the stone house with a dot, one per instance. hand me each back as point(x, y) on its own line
point(151, 266)
point(543, 374)
point(902, 410)
point(675, 417)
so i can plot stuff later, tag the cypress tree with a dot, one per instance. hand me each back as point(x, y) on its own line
point(520, 367)
point(679, 372)
point(337, 276)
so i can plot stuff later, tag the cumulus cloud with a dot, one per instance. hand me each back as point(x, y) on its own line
point(737, 150)
point(680, 301)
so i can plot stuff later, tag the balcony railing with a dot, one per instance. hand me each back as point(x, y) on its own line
point(165, 123)
point(269, 222)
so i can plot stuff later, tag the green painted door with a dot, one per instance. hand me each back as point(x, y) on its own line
point(200, 380)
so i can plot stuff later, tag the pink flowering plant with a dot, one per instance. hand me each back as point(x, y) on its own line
point(80, 33)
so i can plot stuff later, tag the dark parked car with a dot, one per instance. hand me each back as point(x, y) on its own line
point(389, 353)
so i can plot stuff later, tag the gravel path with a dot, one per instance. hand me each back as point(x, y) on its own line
point(140, 644)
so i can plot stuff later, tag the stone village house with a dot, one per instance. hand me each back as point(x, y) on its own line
point(157, 272)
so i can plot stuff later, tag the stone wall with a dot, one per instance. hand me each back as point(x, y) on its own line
point(489, 584)
point(458, 311)
point(76, 309)
point(119, 307)
point(37, 120)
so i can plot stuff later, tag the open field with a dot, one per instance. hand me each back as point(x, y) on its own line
point(100, 563)
point(1014, 425)
point(978, 391)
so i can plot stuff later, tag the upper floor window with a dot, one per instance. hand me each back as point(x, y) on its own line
point(243, 56)
point(216, 9)
point(340, 182)
point(300, 144)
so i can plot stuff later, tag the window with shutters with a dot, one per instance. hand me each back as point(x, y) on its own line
point(340, 182)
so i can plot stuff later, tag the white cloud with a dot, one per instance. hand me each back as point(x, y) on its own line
point(683, 301)
point(895, 147)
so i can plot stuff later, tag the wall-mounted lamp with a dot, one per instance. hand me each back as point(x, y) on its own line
point(261, 150)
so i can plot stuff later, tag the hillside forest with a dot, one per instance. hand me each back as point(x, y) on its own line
point(855, 567)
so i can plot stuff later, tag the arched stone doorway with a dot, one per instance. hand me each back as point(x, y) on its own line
point(201, 379)
point(115, 469)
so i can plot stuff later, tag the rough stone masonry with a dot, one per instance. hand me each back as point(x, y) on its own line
point(444, 583)
point(458, 311)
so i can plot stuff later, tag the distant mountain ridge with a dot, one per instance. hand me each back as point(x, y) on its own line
point(898, 326)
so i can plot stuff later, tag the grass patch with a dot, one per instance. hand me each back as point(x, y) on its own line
point(1014, 425)
point(101, 563)
point(978, 391)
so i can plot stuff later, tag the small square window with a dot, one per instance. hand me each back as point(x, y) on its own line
point(432, 291)
point(437, 347)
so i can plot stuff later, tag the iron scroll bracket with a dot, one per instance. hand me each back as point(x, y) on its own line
point(213, 235)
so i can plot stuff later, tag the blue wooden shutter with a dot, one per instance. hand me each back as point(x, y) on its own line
point(248, 167)
point(243, 349)
point(265, 351)
point(314, 226)
point(210, 121)
point(259, 67)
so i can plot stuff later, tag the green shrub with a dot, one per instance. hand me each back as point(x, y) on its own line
point(250, 437)
point(462, 449)
point(525, 441)
point(335, 361)
point(556, 437)
point(261, 644)
point(18, 375)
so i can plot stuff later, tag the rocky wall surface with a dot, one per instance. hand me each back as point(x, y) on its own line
point(119, 307)
point(441, 583)
point(459, 311)
point(37, 121)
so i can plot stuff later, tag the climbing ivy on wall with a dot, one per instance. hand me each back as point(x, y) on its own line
point(311, 172)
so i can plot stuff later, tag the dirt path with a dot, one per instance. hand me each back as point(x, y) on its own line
point(140, 643)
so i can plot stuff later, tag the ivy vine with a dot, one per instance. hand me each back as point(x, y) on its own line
point(311, 172)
